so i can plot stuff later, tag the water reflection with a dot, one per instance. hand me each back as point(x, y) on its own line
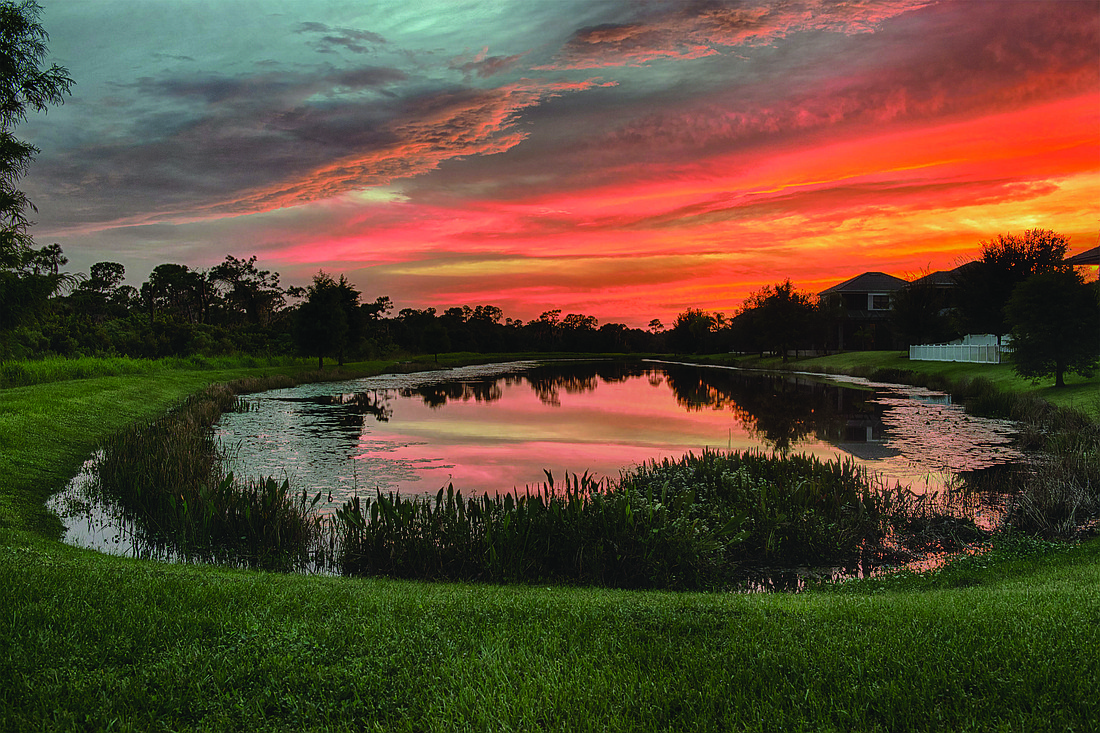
point(494, 428)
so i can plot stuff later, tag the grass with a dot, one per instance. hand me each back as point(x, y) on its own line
point(95, 643)
point(24, 373)
point(1080, 393)
point(90, 642)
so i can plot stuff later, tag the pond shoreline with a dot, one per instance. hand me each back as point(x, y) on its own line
point(251, 387)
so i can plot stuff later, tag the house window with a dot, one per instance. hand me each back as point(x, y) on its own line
point(880, 302)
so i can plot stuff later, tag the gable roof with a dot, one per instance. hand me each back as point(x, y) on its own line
point(868, 282)
point(1088, 257)
point(939, 278)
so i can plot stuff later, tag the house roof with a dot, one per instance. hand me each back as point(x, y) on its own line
point(1088, 257)
point(939, 278)
point(868, 282)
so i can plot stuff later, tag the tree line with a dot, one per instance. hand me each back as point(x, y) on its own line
point(1019, 285)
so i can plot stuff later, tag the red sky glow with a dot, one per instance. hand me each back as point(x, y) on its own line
point(618, 159)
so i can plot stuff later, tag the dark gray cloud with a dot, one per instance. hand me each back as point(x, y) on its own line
point(190, 141)
point(334, 39)
point(484, 66)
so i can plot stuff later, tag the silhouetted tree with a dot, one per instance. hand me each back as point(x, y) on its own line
point(327, 323)
point(26, 278)
point(986, 284)
point(919, 314)
point(177, 292)
point(547, 329)
point(694, 331)
point(375, 324)
point(1055, 322)
point(102, 295)
point(252, 295)
point(781, 316)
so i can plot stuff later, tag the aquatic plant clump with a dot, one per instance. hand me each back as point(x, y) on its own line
point(797, 508)
point(692, 523)
point(167, 474)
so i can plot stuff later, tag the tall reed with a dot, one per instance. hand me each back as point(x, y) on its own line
point(1056, 494)
point(691, 523)
point(167, 474)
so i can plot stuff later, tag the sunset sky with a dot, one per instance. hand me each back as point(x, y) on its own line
point(621, 159)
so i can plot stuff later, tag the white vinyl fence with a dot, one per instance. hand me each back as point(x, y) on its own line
point(977, 354)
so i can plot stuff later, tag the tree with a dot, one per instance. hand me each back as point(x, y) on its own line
point(252, 295)
point(101, 294)
point(327, 323)
point(986, 284)
point(782, 317)
point(104, 277)
point(27, 279)
point(178, 292)
point(1055, 326)
point(693, 331)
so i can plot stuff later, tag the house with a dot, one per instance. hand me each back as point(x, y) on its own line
point(1088, 257)
point(858, 311)
point(1087, 261)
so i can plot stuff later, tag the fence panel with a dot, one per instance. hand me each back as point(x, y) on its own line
point(985, 354)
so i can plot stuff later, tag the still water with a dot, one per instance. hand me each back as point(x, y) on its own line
point(500, 427)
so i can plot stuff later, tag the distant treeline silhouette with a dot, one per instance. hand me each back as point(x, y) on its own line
point(237, 308)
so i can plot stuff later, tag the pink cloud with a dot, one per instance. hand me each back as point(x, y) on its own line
point(697, 30)
point(435, 129)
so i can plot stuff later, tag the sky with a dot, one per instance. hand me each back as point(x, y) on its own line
point(622, 159)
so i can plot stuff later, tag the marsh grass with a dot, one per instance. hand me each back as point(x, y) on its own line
point(578, 532)
point(689, 523)
point(167, 474)
point(1056, 494)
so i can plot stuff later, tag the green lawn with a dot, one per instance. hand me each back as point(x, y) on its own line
point(90, 642)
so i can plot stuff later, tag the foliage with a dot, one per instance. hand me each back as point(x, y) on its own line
point(782, 317)
point(28, 277)
point(692, 523)
point(328, 323)
point(251, 294)
point(1055, 322)
point(796, 509)
point(920, 314)
point(24, 86)
point(166, 473)
point(986, 284)
point(694, 332)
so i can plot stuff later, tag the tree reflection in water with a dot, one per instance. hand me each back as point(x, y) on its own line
point(493, 431)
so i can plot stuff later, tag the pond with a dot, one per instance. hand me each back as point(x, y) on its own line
point(502, 427)
point(497, 428)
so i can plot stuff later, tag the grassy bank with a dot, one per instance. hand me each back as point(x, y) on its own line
point(48, 429)
point(1078, 394)
point(89, 642)
point(95, 643)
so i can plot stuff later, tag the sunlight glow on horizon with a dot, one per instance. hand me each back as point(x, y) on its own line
point(622, 160)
